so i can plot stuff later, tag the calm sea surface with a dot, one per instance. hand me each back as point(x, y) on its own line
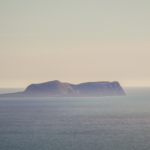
point(111, 123)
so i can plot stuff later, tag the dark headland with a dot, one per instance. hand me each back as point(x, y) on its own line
point(59, 89)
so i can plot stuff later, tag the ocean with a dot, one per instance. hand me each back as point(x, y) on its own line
point(106, 123)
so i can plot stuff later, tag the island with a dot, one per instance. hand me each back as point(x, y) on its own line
point(58, 89)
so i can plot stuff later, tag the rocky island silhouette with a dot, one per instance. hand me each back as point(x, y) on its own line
point(58, 89)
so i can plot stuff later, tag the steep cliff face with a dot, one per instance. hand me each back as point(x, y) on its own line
point(59, 89)
point(100, 89)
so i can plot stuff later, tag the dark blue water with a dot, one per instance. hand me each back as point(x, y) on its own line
point(111, 123)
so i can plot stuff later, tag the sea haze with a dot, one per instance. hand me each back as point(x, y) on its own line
point(110, 123)
point(10, 90)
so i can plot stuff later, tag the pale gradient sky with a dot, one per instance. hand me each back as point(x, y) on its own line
point(74, 41)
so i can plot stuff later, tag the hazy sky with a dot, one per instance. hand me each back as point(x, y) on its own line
point(74, 41)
